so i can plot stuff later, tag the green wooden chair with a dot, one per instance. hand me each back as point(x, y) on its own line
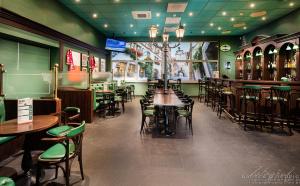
point(68, 115)
point(187, 113)
point(5, 181)
point(66, 149)
point(147, 112)
point(3, 139)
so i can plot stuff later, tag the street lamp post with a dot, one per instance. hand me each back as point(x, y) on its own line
point(165, 48)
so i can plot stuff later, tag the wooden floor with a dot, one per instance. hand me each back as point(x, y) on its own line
point(220, 153)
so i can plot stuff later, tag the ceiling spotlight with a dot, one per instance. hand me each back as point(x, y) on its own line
point(224, 13)
point(183, 24)
point(232, 19)
point(105, 25)
point(117, 1)
point(157, 14)
point(131, 25)
point(157, 25)
point(219, 28)
point(202, 32)
point(291, 4)
point(134, 32)
point(191, 14)
point(95, 15)
point(77, 1)
point(245, 28)
point(211, 24)
point(174, 15)
point(263, 18)
point(252, 5)
point(241, 13)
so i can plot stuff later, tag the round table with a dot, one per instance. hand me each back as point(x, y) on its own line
point(39, 123)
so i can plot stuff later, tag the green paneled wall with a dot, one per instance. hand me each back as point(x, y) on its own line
point(52, 14)
point(27, 70)
point(286, 25)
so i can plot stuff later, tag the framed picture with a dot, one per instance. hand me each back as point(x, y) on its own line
point(84, 60)
point(102, 65)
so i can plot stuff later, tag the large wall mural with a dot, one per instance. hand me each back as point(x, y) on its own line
point(189, 61)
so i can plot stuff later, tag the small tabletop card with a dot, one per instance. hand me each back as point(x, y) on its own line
point(25, 110)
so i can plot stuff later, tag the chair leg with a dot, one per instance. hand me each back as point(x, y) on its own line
point(56, 172)
point(67, 172)
point(191, 125)
point(142, 124)
point(38, 175)
point(80, 164)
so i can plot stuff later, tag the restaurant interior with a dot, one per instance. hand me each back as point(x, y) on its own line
point(149, 92)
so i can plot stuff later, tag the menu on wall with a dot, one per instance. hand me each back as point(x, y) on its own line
point(25, 110)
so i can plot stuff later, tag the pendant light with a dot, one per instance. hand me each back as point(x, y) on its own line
point(180, 32)
point(165, 37)
point(270, 52)
point(295, 47)
point(153, 32)
point(288, 47)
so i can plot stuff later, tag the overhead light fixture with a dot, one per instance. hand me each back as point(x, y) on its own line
point(95, 15)
point(259, 53)
point(271, 51)
point(291, 4)
point(232, 19)
point(224, 13)
point(157, 14)
point(153, 32)
point(134, 32)
point(211, 24)
point(252, 5)
point(288, 47)
point(219, 28)
point(105, 25)
point(202, 32)
point(263, 18)
point(131, 25)
point(184, 24)
point(191, 14)
point(77, 1)
point(157, 25)
point(245, 28)
point(180, 32)
point(174, 15)
point(275, 51)
point(248, 55)
point(295, 47)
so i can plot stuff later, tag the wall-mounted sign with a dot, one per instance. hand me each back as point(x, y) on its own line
point(25, 110)
point(225, 48)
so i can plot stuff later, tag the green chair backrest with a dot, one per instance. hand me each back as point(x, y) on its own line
point(2, 109)
point(255, 87)
point(282, 88)
point(77, 130)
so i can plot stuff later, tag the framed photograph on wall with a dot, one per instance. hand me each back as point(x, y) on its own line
point(102, 65)
point(97, 65)
point(84, 60)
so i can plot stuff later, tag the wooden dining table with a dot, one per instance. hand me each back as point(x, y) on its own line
point(169, 101)
point(38, 124)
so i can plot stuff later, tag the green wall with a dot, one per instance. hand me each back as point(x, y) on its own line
point(54, 15)
point(27, 70)
point(285, 25)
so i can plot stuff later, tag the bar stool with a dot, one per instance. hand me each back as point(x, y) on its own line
point(280, 96)
point(5, 181)
point(201, 87)
point(208, 91)
point(251, 94)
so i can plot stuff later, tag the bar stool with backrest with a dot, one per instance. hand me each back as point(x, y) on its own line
point(5, 181)
point(280, 96)
point(251, 94)
point(224, 93)
point(147, 112)
point(201, 87)
point(66, 149)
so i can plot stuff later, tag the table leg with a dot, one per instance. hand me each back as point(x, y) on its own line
point(27, 159)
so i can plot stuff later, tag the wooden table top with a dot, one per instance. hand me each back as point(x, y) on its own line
point(169, 99)
point(39, 123)
point(161, 91)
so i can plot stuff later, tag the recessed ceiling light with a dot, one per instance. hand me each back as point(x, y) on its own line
point(134, 32)
point(224, 13)
point(241, 13)
point(157, 25)
point(245, 28)
point(184, 24)
point(77, 1)
point(219, 28)
point(191, 14)
point(157, 14)
point(211, 24)
point(117, 1)
point(131, 25)
point(263, 18)
point(105, 25)
point(95, 15)
point(174, 15)
point(232, 19)
point(252, 5)
point(158, 1)
point(202, 32)
point(291, 4)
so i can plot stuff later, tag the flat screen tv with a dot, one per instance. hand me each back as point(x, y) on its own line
point(115, 45)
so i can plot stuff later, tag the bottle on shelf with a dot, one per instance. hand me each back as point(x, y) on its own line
point(289, 64)
point(285, 63)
